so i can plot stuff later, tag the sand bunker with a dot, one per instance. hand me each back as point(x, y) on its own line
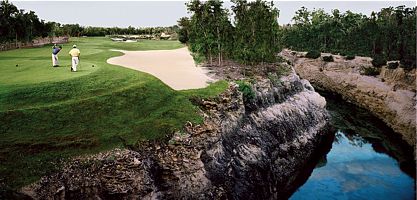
point(175, 68)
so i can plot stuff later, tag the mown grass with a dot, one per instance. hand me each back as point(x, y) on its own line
point(48, 114)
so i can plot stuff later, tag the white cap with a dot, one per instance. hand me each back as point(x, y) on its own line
point(74, 46)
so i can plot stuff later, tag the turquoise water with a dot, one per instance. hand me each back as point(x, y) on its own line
point(355, 171)
point(367, 160)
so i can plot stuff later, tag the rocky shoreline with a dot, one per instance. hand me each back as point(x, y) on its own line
point(243, 150)
point(390, 96)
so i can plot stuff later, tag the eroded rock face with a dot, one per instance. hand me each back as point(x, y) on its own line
point(391, 96)
point(259, 157)
point(239, 152)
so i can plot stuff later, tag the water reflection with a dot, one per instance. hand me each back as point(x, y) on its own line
point(367, 160)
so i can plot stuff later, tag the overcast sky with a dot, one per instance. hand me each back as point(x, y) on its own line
point(166, 13)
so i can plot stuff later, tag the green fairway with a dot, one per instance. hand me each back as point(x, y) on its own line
point(48, 114)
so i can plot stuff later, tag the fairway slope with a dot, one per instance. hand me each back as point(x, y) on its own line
point(175, 68)
point(48, 115)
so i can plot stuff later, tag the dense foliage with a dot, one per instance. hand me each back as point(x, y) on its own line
point(252, 38)
point(313, 54)
point(379, 61)
point(18, 25)
point(328, 58)
point(247, 91)
point(370, 71)
point(350, 57)
point(393, 65)
point(209, 29)
point(388, 34)
point(256, 31)
point(255, 36)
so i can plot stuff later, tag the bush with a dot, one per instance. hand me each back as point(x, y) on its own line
point(328, 58)
point(408, 64)
point(198, 58)
point(370, 71)
point(246, 89)
point(282, 71)
point(392, 65)
point(342, 53)
point(313, 54)
point(379, 61)
point(350, 57)
point(183, 36)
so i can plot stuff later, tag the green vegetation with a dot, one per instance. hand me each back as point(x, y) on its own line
point(184, 24)
point(370, 71)
point(350, 57)
point(328, 58)
point(379, 61)
point(246, 89)
point(20, 25)
point(390, 33)
point(253, 38)
point(49, 114)
point(17, 24)
point(393, 65)
point(313, 54)
point(408, 64)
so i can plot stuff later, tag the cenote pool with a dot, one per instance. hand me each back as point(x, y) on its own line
point(366, 160)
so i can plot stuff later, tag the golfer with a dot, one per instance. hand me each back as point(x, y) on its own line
point(55, 51)
point(75, 54)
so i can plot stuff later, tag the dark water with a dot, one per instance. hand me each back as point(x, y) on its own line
point(367, 160)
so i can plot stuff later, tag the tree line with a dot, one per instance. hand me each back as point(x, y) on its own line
point(19, 25)
point(75, 30)
point(388, 34)
point(255, 36)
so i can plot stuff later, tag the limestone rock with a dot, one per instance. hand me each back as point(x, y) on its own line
point(391, 96)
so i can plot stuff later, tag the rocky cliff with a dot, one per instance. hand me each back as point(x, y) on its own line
point(391, 96)
point(251, 150)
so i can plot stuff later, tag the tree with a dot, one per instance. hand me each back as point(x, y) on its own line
point(184, 24)
point(257, 31)
point(207, 28)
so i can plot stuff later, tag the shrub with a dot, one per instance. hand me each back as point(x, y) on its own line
point(408, 64)
point(198, 58)
point(313, 54)
point(392, 65)
point(379, 61)
point(274, 79)
point(183, 36)
point(246, 89)
point(370, 71)
point(350, 57)
point(282, 71)
point(342, 53)
point(328, 58)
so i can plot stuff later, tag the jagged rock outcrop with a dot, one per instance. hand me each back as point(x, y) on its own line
point(239, 152)
point(391, 96)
